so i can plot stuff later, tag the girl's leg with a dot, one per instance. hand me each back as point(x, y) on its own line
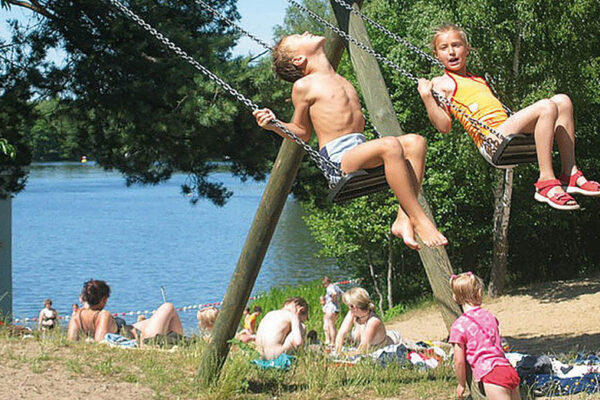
point(326, 329)
point(332, 317)
point(163, 321)
point(515, 394)
point(564, 132)
point(495, 392)
point(540, 119)
point(389, 151)
point(565, 137)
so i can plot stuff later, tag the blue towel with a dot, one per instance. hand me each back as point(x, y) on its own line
point(549, 385)
point(114, 339)
point(282, 363)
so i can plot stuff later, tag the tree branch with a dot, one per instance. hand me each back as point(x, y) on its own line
point(33, 5)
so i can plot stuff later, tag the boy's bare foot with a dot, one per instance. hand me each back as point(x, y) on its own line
point(403, 228)
point(428, 233)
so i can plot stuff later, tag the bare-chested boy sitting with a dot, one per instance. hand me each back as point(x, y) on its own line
point(282, 330)
point(327, 102)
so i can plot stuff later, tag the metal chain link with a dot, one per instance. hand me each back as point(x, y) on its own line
point(410, 46)
point(389, 33)
point(492, 145)
point(233, 24)
point(321, 162)
point(259, 41)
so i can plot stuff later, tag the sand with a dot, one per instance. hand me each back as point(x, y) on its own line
point(554, 317)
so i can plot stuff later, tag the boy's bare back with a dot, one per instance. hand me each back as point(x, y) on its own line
point(329, 103)
point(272, 331)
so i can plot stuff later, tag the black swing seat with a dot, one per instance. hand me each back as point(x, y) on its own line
point(515, 149)
point(357, 184)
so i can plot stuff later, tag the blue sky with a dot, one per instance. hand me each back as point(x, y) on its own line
point(258, 17)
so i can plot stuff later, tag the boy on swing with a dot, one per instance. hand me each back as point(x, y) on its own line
point(327, 102)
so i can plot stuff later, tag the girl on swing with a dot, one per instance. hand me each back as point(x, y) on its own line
point(549, 119)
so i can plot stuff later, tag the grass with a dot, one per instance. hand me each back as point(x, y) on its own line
point(172, 374)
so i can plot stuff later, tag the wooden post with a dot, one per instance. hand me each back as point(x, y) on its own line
point(248, 266)
point(379, 103)
point(6, 258)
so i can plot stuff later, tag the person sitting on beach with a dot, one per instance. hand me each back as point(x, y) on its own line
point(74, 308)
point(48, 318)
point(327, 102)
point(365, 327)
point(247, 334)
point(206, 321)
point(93, 321)
point(282, 330)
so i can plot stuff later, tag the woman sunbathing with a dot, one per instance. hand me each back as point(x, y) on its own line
point(365, 327)
point(93, 321)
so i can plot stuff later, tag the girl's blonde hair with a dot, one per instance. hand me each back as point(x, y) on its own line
point(467, 288)
point(207, 317)
point(358, 297)
point(449, 28)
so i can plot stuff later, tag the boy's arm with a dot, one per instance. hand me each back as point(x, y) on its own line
point(296, 331)
point(437, 113)
point(300, 125)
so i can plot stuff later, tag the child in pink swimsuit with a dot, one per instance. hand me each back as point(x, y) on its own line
point(477, 340)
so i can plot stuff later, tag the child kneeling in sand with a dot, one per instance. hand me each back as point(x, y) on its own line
point(327, 102)
point(476, 338)
point(282, 330)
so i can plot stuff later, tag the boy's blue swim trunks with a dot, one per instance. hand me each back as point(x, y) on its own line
point(334, 151)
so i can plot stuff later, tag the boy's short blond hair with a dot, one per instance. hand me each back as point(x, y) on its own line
point(282, 62)
point(449, 28)
point(467, 288)
point(358, 297)
point(207, 317)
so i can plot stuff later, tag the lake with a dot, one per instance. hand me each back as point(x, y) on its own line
point(76, 221)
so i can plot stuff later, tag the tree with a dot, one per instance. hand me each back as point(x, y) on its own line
point(558, 53)
point(145, 111)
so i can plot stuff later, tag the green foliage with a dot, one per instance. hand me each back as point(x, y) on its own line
point(6, 148)
point(532, 49)
point(130, 103)
point(296, 22)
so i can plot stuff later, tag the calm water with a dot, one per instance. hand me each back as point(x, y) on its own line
point(76, 221)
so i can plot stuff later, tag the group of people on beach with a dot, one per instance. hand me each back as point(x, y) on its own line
point(475, 335)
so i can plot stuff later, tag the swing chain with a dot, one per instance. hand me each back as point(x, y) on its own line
point(438, 96)
point(321, 162)
point(233, 24)
point(389, 33)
